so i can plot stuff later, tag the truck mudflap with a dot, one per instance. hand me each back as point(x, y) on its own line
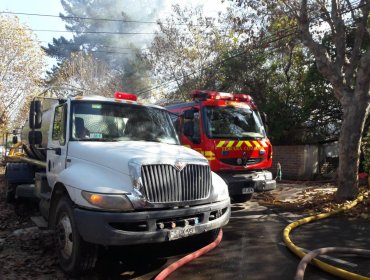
point(243, 183)
point(108, 228)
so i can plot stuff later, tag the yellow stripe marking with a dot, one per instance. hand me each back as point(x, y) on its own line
point(230, 144)
point(256, 144)
point(248, 143)
point(209, 155)
point(220, 144)
point(264, 144)
point(239, 144)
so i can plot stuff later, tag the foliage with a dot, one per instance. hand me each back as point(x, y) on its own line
point(185, 47)
point(21, 66)
point(83, 74)
point(336, 34)
point(280, 76)
point(366, 152)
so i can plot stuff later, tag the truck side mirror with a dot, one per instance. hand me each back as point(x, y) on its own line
point(35, 117)
point(15, 140)
point(35, 137)
point(189, 129)
point(189, 114)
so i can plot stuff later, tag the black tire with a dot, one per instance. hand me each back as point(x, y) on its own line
point(10, 192)
point(76, 257)
point(242, 198)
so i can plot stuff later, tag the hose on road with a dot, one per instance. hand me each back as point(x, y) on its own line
point(167, 271)
point(313, 254)
point(344, 274)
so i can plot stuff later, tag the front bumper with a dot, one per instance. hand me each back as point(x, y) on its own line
point(107, 228)
point(258, 180)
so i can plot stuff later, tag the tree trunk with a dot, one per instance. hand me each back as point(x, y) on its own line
point(355, 111)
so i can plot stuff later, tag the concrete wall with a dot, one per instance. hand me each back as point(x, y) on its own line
point(299, 162)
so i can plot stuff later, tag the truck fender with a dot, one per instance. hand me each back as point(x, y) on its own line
point(93, 178)
point(220, 188)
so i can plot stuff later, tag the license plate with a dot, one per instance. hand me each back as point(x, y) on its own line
point(247, 190)
point(180, 233)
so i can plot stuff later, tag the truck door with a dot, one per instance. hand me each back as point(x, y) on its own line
point(56, 153)
point(193, 134)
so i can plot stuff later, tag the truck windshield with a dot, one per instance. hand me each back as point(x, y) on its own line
point(104, 121)
point(233, 123)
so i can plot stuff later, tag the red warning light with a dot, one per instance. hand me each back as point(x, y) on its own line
point(125, 96)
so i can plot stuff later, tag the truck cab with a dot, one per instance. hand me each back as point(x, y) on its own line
point(228, 130)
point(111, 171)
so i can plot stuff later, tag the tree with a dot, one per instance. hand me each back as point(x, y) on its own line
point(280, 76)
point(346, 66)
point(184, 50)
point(21, 66)
point(83, 74)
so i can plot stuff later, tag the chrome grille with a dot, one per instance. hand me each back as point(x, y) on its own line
point(164, 183)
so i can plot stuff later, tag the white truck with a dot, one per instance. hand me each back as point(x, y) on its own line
point(111, 171)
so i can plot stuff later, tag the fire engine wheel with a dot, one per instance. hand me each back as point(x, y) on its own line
point(76, 256)
point(241, 198)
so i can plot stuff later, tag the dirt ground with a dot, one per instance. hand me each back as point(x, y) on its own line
point(27, 252)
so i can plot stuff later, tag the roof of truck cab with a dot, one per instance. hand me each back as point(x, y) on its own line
point(113, 100)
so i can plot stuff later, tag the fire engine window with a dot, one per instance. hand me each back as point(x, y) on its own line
point(176, 121)
point(59, 131)
point(233, 122)
point(196, 123)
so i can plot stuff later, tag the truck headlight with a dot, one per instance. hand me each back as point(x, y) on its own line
point(112, 202)
point(220, 188)
point(134, 171)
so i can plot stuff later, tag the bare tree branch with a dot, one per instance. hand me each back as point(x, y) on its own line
point(326, 16)
point(363, 76)
point(359, 36)
point(339, 37)
point(322, 60)
point(354, 18)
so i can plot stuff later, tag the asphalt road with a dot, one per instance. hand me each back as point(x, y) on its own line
point(252, 248)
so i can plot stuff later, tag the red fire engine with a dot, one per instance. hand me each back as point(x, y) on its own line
point(228, 130)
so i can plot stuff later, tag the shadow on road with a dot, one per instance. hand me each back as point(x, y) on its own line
point(143, 261)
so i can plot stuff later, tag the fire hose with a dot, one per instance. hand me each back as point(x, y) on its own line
point(310, 257)
point(167, 271)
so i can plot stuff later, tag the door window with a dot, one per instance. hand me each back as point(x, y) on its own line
point(59, 130)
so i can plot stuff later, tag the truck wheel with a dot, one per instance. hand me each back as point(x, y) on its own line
point(241, 198)
point(76, 256)
point(10, 192)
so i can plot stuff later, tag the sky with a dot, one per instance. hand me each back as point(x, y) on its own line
point(54, 7)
